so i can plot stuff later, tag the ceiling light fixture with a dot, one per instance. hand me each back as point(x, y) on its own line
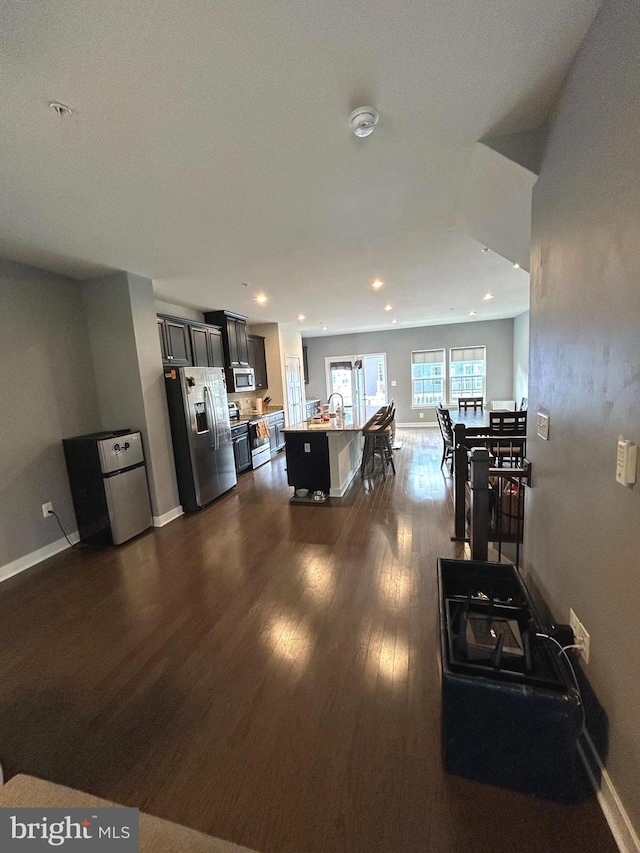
point(487, 296)
point(516, 266)
point(261, 298)
point(363, 120)
point(394, 321)
point(471, 313)
point(377, 284)
point(388, 307)
point(325, 329)
point(301, 317)
point(486, 250)
point(61, 109)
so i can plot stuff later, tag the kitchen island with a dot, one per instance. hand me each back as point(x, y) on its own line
point(323, 456)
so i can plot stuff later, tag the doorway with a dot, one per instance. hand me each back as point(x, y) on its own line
point(293, 379)
point(360, 379)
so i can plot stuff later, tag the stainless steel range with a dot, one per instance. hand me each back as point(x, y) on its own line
point(260, 443)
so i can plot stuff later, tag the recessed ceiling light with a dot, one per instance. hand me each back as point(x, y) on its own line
point(394, 321)
point(485, 250)
point(388, 307)
point(261, 298)
point(471, 313)
point(301, 317)
point(325, 328)
point(516, 266)
point(487, 296)
point(377, 284)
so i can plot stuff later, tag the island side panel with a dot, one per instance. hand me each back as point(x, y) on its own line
point(345, 456)
point(308, 461)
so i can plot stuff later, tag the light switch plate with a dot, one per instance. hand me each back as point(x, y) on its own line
point(393, 383)
point(543, 425)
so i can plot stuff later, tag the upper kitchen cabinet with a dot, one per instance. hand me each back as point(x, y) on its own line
point(206, 345)
point(234, 336)
point(258, 360)
point(174, 341)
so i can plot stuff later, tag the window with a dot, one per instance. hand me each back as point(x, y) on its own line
point(427, 377)
point(467, 368)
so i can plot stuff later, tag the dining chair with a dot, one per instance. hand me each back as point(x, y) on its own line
point(466, 403)
point(512, 425)
point(446, 430)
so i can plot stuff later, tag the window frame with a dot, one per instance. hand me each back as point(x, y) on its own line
point(442, 378)
point(471, 377)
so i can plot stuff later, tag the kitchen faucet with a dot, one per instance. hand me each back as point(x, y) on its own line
point(337, 394)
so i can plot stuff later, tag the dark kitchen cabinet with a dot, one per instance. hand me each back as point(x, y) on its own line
point(258, 360)
point(241, 448)
point(206, 344)
point(174, 341)
point(234, 336)
point(276, 436)
point(305, 365)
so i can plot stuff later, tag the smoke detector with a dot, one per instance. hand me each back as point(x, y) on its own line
point(363, 120)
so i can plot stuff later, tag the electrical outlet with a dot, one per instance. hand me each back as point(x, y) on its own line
point(581, 635)
point(46, 509)
point(421, 414)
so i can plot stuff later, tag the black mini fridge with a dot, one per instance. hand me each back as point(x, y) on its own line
point(511, 713)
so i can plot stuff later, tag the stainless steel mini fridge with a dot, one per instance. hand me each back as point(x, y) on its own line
point(109, 485)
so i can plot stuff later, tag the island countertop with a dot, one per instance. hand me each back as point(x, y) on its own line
point(336, 424)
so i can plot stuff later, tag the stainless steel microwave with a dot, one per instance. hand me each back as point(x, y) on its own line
point(244, 379)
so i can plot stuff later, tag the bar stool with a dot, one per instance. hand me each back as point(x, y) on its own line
point(368, 436)
point(378, 444)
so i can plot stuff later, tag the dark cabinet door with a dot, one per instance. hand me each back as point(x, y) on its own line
point(241, 339)
point(258, 360)
point(163, 339)
point(232, 340)
point(305, 365)
point(206, 344)
point(241, 450)
point(175, 341)
point(276, 436)
point(216, 355)
point(199, 346)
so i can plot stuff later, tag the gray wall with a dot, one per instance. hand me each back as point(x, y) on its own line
point(47, 393)
point(583, 531)
point(521, 357)
point(496, 335)
point(121, 315)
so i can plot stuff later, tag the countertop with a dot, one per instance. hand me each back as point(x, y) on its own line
point(336, 424)
point(252, 418)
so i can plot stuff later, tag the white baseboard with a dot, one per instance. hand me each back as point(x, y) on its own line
point(615, 813)
point(161, 520)
point(418, 424)
point(22, 563)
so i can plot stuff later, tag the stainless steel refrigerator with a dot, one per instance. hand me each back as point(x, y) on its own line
point(202, 446)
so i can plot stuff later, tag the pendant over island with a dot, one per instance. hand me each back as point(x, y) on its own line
point(323, 456)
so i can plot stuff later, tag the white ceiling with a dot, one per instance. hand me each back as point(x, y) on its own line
point(209, 146)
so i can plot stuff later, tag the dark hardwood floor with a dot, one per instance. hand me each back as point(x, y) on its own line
point(266, 673)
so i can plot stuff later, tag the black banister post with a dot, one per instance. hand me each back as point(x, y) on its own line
point(480, 462)
point(459, 480)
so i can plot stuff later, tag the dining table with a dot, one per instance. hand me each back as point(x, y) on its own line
point(472, 419)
